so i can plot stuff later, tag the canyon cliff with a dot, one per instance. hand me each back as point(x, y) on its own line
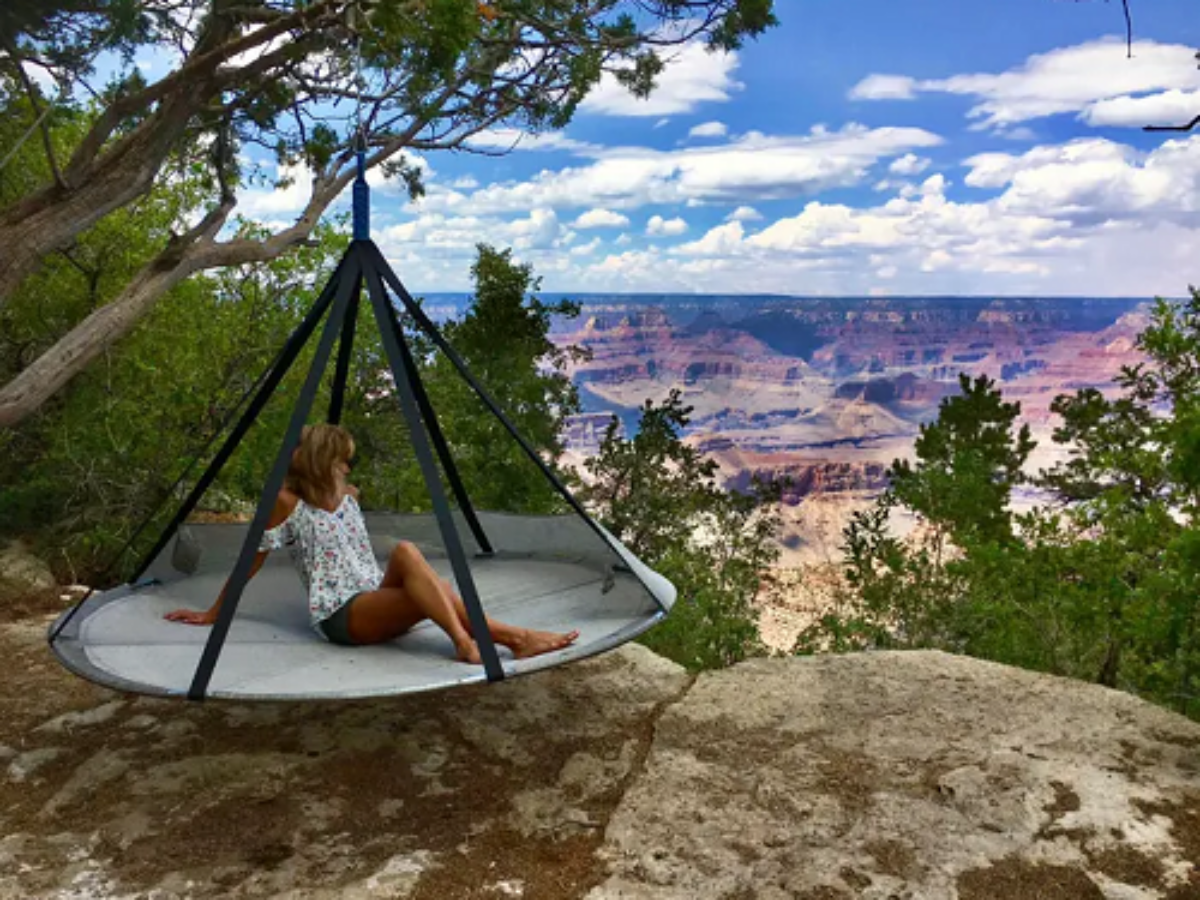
point(828, 392)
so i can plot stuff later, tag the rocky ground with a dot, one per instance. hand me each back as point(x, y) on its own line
point(915, 775)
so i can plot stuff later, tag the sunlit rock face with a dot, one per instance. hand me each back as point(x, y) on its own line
point(827, 393)
point(911, 774)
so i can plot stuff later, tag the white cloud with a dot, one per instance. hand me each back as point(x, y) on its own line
point(505, 139)
point(708, 129)
point(1093, 180)
point(719, 241)
point(540, 229)
point(660, 227)
point(884, 87)
point(1086, 217)
point(1167, 108)
point(1094, 80)
point(909, 164)
point(752, 167)
point(586, 249)
point(624, 240)
point(1020, 133)
point(601, 218)
point(744, 214)
point(258, 203)
point(692, 75)
point(459, 235)
point(465, 183)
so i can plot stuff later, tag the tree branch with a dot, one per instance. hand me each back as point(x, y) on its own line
point(1188, 127)
point(41, 114)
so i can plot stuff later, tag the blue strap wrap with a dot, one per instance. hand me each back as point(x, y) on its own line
point(362, 201)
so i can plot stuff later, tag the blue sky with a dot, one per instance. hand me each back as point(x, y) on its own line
point(873, 146)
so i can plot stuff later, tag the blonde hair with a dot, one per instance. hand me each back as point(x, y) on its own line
point(311, 474)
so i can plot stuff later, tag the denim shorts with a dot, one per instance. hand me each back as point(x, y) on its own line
point(337, 626)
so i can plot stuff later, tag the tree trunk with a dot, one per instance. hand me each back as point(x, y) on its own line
point(50, 219)
point(87, 340)
point(104, 176)
point(185, 256)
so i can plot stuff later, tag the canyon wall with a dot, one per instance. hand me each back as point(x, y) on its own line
point(828, 392)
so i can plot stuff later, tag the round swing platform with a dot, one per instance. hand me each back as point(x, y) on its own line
point(550, 573)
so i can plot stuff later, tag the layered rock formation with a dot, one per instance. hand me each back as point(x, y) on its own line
point(829, 392)
point(621, 778)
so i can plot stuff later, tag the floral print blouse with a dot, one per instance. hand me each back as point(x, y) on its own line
point(332, 552)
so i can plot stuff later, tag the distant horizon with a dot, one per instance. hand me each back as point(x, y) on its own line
point(1115, 298)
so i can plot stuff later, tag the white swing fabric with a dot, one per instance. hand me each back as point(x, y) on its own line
point(550, 573)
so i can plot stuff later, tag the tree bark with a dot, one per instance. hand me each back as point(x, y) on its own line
point(183, 257)
point(193, 252)
point(100, 179)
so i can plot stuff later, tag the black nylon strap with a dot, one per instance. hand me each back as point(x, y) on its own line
point(439, 440)
point(337, 395)
point(418, 314)
point(441, 509)
point(290, 351)
point(111, 567)
point(349, 280)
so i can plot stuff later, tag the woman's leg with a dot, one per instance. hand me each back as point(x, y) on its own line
point(522, 642)
point(409, 593)
point(407, 565)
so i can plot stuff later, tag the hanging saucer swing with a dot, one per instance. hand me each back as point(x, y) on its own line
point(552, 573)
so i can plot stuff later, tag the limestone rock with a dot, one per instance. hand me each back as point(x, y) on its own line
point(23, 573)
point(479, 792)
point(918, 775)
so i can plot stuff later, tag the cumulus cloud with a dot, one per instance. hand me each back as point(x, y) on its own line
point(909, 164)
point(459, 235)
point(753, 167)
point(920, 237)
point(586, 249)
point(601, 218)
point(258, 203)
point(692, 75)
point(1084, 217)
point(660, 227)
point(884, 87)
point(719, 241)
point(1093, 80)
point(515, 139)
point(744, 214)
point(1092, 180)
point(708, 130)
point(1167, 108)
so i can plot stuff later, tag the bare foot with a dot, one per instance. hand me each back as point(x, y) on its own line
point(468, 652)
point(535, 643)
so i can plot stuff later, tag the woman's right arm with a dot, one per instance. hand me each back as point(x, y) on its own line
point(284, 504)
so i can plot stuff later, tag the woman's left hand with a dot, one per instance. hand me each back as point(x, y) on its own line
point(191, 617)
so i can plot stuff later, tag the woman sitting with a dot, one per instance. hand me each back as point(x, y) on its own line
point(350, 600)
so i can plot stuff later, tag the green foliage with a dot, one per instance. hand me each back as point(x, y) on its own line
point(504, 340)
point(968, 463)
point(444, 67)
point(79, 476)
point(659, 496)
point(1101, 585)
point(503, 337)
